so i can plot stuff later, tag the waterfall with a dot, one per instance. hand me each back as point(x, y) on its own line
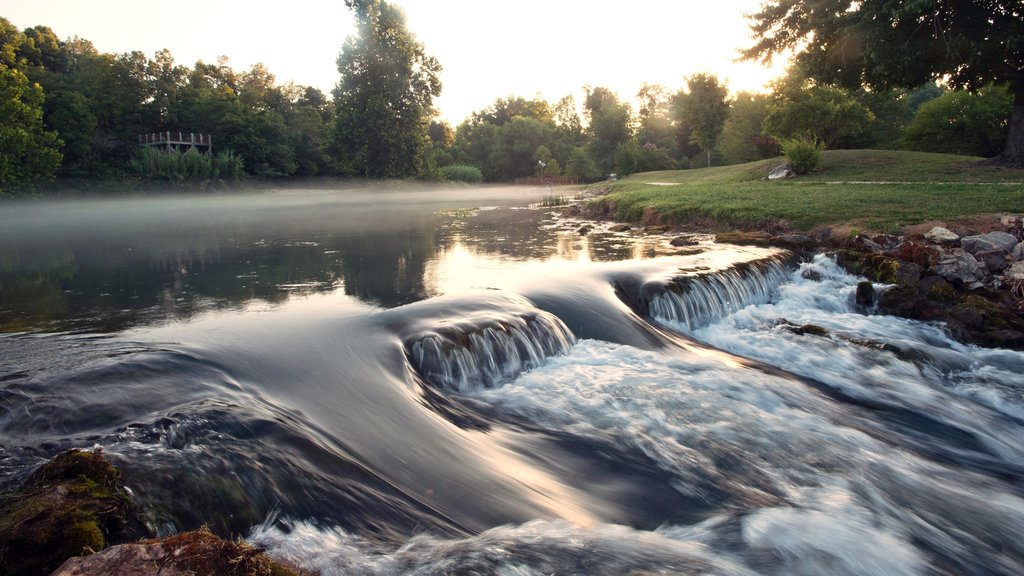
point(474, 355)
point(695, 300)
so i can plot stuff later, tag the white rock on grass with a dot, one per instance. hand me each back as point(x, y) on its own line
point(938, 235)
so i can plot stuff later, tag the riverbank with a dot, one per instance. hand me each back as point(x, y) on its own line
point(871, 191)
point(920, 224)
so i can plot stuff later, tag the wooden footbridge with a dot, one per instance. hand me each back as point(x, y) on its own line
point(178, 141)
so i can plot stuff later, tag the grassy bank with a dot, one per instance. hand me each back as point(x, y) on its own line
point(879, 190)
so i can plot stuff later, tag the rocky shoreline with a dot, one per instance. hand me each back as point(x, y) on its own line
point(970, 280)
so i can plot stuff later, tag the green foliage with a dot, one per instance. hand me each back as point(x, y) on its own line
point(609, 127)
point(627, 158)
point(28, 153)
point(704, 108)
point(157, 165)
point(884, 44)
point(959, 122)
point(742, 139)
point(801, 107)
point(462, 173)
point(803, 154)
point(384, 98)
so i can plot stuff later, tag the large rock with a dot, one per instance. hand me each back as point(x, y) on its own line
point(959, 267)
point(781, 172)
point(989, 242)
point(939, 235)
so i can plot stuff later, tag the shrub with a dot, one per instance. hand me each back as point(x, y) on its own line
point(462, 173)
point(803, 153)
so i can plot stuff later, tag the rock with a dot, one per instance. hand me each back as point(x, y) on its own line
point(959, 267)
point(71, 504)
point(939, 235)
point(793, 241)
point(865, 294)
point(989, 242)
point(619, 228)
point(1018, 251)
point(864, 243)
point(196, 552)
point(921, 254)
point(683, 241)
point(1009, 220)
point(656, 229)
point(585, 229)
point(908, 273)
point(811, 274)
point(781, 172)
point(994, 260)
point(135, 559)
point(937, 288)
point(1015, 272)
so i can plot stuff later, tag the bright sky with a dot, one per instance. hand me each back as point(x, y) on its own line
point(488, 48)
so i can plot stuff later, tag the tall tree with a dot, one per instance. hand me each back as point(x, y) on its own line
point(610, 125)
point(704, 107)
point(384, 100)
point(884, 43)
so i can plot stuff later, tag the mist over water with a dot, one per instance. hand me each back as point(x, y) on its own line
point(421, 381)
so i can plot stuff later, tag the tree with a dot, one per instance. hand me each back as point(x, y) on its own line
point(959, 122)
point(384, 100)
point(884, 43)
point(802, 108)
point(609, 127)
point(28, 153)
point(704, 107)
point(742, 139)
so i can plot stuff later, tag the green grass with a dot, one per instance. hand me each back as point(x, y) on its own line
point(872, 189)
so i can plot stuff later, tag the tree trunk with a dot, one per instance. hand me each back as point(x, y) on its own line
point(1013, 154)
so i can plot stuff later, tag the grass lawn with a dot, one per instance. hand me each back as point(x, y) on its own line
point(879, 190)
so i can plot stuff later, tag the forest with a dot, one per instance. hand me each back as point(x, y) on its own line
point(73, 114)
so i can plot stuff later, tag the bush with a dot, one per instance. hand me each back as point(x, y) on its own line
point(191, 166)
point(803, 153)
point(462, 173)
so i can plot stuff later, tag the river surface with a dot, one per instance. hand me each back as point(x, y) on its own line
point(411, 381)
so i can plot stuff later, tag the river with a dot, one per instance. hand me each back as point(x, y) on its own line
point(402, 381)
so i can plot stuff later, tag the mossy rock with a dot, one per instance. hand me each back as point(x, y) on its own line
point(72, 504)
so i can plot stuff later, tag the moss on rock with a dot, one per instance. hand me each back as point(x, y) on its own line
point(71, 505)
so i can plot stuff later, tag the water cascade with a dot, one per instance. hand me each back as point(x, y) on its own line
point(486, 353)
point(694, 300)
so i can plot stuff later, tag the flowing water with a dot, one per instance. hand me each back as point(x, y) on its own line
point(403, 381)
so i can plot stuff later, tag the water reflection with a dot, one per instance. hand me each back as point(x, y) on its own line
point(110, 265)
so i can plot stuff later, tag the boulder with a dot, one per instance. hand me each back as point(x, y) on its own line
point(585, 229)
point(959, 267)
point(619, 228)
point(989, 242)
point(939, 235)
point(921, 254)
point(782, 172)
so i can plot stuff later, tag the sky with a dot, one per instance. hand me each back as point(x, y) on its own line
point(489, 48)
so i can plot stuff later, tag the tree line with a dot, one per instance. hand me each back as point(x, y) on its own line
point(69, 111)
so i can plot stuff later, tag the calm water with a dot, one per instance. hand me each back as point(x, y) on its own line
point(406, 381)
